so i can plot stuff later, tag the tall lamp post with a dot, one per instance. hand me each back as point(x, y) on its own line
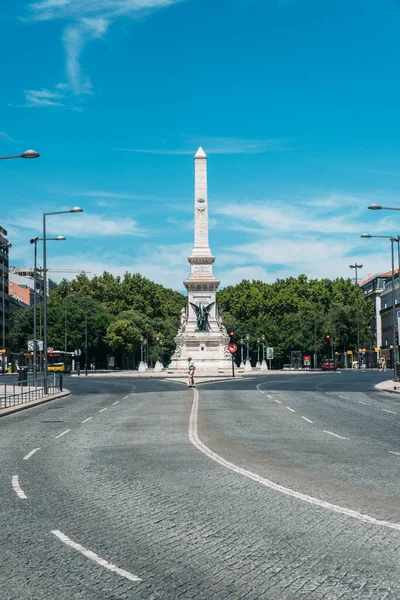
point(158, 366)
point(26, 154)
point(241, 342)
point(3, 247)
point(258, 365)
point(247, 366)
point(356, 267)
point(264, 366)
point(76, 209)
point(34, 241)
point(394, 320)
point(329, 285)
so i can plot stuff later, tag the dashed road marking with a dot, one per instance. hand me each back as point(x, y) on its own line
point(365, 403)
point(63, 433)
point(94, 557)
point(17, 488)
point(335, 434)
point(114, 403)
point(291, 409)
point(308, 420)
point(125, 397)
point(348, 512)
point(278, 401)
point(389, 411)
point(344, 397)
point(27, 457)
point(396, 453)
point(268, 396)
point(103, 409)
point(86, 420)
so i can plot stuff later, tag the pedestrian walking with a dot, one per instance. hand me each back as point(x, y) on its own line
point(191, 371)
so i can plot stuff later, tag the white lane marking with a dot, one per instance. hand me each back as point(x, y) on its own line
point(63, 433)
point(268, 396)
point(17, 488)
point(125, 397)
point(27, 457)
point(335, 434)
point(344, 397)
point(92, 556)
point(308, 420)
point(396, 453)
point(103, 409)
point(365, 403)
point(389, 411)
point(114, 403)
point(348, 512)
point(86, 420)
point(291, 409)
point(278, 401)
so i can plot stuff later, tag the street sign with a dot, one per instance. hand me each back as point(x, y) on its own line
point(39, 345)
point(270, 353)
point(77, 352)
point(232, 348)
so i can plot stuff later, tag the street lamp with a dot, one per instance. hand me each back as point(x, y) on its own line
point(329, 285)
point(392, 241)
point(264, 366)
point(158, 366)
point(258, 365)
point(247, 366)
point(241, 342)
point(26, 154)
point(75, 209)
point(356, 267)
point(3, 247)
point(35, 240)
point(379, 207)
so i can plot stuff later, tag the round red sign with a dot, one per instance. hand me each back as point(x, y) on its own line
point(232, 348)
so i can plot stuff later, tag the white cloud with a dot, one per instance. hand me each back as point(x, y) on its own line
point(81, 225)
point(7, 138)
point(87, 20)
point(104, 194)
point(217, 145)
point(43, 97)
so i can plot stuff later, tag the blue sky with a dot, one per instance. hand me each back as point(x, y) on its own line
point(296, 103)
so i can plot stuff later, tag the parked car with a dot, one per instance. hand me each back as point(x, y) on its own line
point(329, 365)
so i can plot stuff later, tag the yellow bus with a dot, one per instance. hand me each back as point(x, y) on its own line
point(57, 360)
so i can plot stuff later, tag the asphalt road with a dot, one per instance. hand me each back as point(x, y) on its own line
point(277, 487)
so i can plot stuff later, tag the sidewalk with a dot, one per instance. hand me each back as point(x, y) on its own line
point(390, 386)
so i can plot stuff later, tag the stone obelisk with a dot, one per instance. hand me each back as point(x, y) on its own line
point(201, 334)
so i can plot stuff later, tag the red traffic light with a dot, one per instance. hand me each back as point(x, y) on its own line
point(231, 333)
point(328, 337)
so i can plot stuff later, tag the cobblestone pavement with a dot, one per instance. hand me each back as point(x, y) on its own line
point(129, 486)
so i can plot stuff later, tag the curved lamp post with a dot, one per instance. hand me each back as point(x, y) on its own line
point(356, 267)
point(394, 323)
point(75, 209)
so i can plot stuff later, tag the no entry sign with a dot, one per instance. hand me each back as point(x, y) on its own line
point(232, 348)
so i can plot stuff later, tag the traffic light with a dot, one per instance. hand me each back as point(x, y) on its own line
point(231, 334)
point(328, 337)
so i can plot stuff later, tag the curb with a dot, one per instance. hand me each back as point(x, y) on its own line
point(4, 412)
